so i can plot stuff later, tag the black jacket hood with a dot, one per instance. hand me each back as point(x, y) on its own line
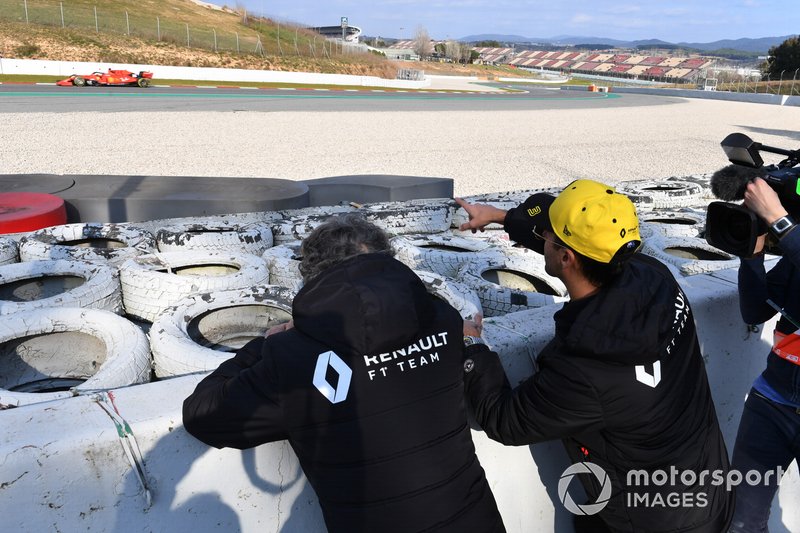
point(367, 304)
point(630, 321)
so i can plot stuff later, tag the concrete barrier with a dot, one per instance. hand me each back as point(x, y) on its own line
point(67, 68)
point(66, 466)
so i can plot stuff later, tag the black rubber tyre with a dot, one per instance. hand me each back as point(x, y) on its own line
point(78, 81)
point(143, 82)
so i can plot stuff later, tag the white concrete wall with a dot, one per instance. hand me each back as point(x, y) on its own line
point(66, 68)
point(63, 466)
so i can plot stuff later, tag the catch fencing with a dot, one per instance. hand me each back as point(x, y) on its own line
point(237, 33)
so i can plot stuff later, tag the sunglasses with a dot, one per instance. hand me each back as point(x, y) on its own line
point(542, 237)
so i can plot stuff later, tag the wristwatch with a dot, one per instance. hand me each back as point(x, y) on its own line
point(469, 340)
point(780, 227)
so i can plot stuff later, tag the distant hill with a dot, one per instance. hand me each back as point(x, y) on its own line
point(761, 45)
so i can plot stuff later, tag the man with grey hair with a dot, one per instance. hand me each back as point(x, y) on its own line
point(366, 385)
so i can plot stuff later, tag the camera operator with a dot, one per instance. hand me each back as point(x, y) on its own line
point(769, 430)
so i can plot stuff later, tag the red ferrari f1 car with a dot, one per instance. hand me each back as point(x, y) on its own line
point(112, 77)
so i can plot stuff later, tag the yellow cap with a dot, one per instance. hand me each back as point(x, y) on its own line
point(596, 221)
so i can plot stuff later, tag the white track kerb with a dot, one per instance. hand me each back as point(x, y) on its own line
point(120, 460)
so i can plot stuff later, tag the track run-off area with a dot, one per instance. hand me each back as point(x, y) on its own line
point(537, 137)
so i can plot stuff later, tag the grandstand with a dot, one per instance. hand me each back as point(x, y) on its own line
point(622, 64)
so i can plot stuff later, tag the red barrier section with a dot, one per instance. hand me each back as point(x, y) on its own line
point(29, 211)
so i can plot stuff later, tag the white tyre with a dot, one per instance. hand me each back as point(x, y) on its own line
point(441, 253)
point(112, 243)
point(462, 298)
point(297, 227)
point(660, 194)
point(9, 251)
point(501, 200)
point(153, 282)
point(689, 255)
point(412, 216)
point(49, 354)
point(52, 284)
point(215, 237)
point(283, 264)
point(514, 282)
point(673, 222)
point(201, 332)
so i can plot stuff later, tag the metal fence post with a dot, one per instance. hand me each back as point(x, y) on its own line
point(296, 51)
point(280, 49)
point(26, 12)
point(62, 14)
point(128, 23)
point(187, 36)
point(215, 38)
point(96, 25)
point(237, 43)
point(780, 84)
point(793, 80)
point(158, 28)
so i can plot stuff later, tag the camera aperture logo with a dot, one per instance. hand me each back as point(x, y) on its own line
point(587, 508)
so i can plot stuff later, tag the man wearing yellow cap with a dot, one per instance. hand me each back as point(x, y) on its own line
point(623, 383)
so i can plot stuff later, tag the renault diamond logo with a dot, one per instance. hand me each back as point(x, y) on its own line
point(339, 393)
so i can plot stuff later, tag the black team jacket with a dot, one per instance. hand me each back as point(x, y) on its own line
point(368, 390)
point(623, 384)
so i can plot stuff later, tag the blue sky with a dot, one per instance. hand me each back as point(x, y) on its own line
point(673, 21)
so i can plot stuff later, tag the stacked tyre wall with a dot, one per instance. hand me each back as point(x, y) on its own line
point(113, 456)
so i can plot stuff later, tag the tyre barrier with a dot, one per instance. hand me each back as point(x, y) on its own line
point(49, 354)
point(512, 282)
point(411, 216)
point(151, 283)
point(297, 228)
point(500, 200)
point(111, 243)
point(689, 255)
point(462, 298)
point(673, 223)
point(442, 253)
point(9, 251)
point(200, 332)
point(663, 194)
point(215, 237)
point(59, 283)
point(283, 264)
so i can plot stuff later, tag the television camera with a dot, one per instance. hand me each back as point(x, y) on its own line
point(732, 227)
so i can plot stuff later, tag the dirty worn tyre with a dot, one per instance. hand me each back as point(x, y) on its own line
point(9, 251)
point(412, 216)
point(462, 298)
point(685, 222)
point(688, 255)
point(143, 83)
point(48, 354)
point(200, 332)
point(153, 282)
point(661, 194)
point(283, 264)
point(211, 236)
point(59, 283)
point(501, 200)
point(77, 81)
point(513, 282)
point(442, 253)
point(111, 243)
